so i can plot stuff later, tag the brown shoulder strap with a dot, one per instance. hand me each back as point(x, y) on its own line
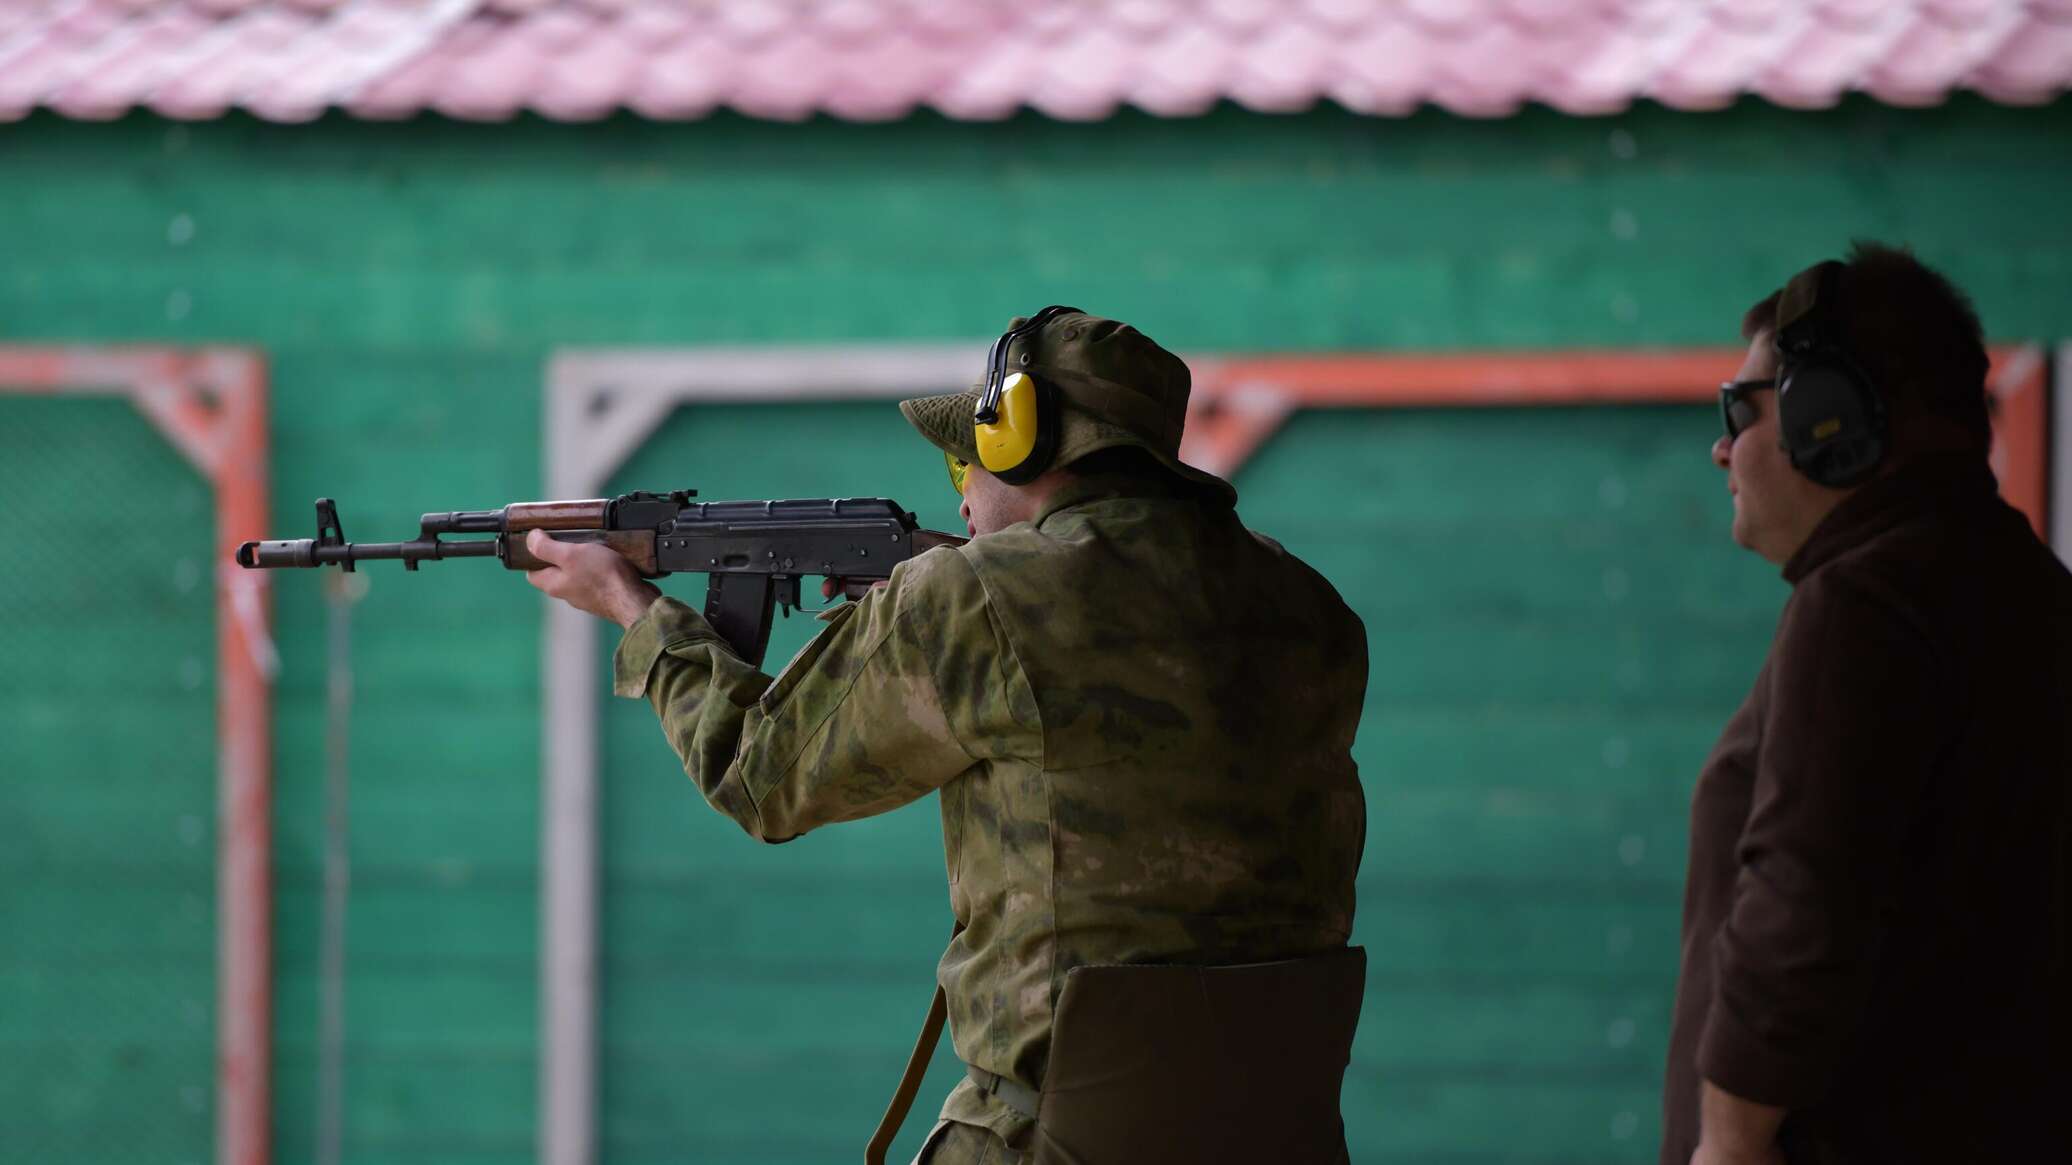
point(917, 1067)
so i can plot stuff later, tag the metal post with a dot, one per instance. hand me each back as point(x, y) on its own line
point(341, 591)
point(2061, 455)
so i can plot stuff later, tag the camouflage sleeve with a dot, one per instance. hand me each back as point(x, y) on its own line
point(854, 725)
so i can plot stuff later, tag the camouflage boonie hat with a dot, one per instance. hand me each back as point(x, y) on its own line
point(1117, 387)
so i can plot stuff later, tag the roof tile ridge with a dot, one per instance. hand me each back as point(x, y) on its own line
point(1670, 80)
point(35, 33)
point(1916, 68)
point(438, 19)
point(123, 36)
point(1862, 44)
point(1539, 17)
point(1290, 70)
point(1954, 14)
point(1738, 16)
point(1858, 15)
point(2005, 75)
point(187, 91)
point(167, 35)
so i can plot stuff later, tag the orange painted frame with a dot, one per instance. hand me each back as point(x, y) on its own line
point(1239, 402)
point(211, 404)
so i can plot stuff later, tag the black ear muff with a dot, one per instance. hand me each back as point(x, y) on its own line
point(1015, 425)
point(1833, 426)
point(1833, 423)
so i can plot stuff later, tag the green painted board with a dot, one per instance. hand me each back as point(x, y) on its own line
point(1557, 622)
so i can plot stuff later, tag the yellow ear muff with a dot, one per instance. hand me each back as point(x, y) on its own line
point(1007, 444)
point(1015, 423)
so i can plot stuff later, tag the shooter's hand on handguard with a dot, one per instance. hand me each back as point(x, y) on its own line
point(590, 578)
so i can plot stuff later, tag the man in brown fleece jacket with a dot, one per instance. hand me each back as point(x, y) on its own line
point(1875, 938)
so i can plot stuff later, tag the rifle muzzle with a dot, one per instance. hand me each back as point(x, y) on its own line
point(288, 552)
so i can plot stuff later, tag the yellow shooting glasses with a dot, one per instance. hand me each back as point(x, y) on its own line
point(1015, 425)
point(959, 470)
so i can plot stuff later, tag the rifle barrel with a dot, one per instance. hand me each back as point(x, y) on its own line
point(308, 552)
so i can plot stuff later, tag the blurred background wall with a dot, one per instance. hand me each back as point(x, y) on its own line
point(1557, 619)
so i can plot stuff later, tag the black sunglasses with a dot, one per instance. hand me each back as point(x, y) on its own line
point(1735, 411)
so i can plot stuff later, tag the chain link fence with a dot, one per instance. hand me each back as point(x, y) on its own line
point(107, 789)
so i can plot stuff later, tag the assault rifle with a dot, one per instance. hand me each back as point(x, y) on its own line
point(755, 552)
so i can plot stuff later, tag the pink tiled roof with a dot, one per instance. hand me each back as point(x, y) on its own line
point(869, 60)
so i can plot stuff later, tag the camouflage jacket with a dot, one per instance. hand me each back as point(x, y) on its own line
point(1140, 717)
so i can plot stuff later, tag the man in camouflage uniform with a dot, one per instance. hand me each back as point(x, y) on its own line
point(1138, 713)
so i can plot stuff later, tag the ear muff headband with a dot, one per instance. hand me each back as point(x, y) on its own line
point(1833, 422)
point(1015, 425)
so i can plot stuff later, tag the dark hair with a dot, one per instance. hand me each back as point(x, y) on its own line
point(1914, 335)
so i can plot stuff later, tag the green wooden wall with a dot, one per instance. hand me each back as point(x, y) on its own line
point(1557, 622)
